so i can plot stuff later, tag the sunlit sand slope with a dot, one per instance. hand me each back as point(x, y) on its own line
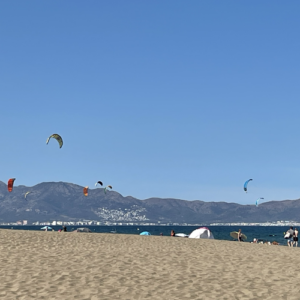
point(52, 265)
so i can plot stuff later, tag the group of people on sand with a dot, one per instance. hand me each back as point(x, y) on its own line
point(172, 233)
point(63, 229)
point(292, 237)
point(256, 241)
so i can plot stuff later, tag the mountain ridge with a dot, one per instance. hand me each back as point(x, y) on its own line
point(65, 201)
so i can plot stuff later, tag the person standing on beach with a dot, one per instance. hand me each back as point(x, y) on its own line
point(172, 232)
point(295, 237)
point(240, 235)
point(290, 237)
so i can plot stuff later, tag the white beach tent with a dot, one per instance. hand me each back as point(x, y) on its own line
point(201, 233)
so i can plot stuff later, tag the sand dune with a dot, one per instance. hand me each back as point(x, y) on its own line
point(52, 265)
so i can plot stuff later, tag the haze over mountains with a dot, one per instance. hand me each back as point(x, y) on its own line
point(50, 201)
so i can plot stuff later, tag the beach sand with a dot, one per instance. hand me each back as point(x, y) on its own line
point(52, 265)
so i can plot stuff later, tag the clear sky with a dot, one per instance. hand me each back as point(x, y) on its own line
point(157, 98)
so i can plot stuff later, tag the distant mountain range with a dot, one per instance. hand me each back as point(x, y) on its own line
point(50, 201)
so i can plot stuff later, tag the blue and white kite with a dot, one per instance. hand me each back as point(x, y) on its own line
point(256, 203)
point(246, 184)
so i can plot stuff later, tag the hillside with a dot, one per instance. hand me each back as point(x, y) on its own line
point(65, 201)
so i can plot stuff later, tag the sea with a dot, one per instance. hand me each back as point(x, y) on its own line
point(263, 233)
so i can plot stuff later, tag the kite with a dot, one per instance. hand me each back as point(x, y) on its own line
point(246, 184)
point(85, 191)
point(57, 137)
point(10, 184)
point(256, 203)
point(27, 194)
point(99, 183)
point(109, 186)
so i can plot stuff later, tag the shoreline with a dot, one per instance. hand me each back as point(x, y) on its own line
point(272, 234)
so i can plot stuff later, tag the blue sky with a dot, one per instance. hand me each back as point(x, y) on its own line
point(157, 98)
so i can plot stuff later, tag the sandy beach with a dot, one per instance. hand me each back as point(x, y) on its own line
point(52, 265)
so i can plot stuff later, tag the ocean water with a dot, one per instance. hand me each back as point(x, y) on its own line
point(265, 233)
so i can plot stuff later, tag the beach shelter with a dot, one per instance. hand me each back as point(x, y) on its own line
point(46, 227)
point(201, 233)
point(145, 233)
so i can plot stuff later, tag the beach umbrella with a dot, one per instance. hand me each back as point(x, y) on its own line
point(46, 227)
point(234, 235)
point(145, 233)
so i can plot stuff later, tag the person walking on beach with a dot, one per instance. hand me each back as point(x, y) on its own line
point(295, 237)
point(239, 237)
point(289, 236)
